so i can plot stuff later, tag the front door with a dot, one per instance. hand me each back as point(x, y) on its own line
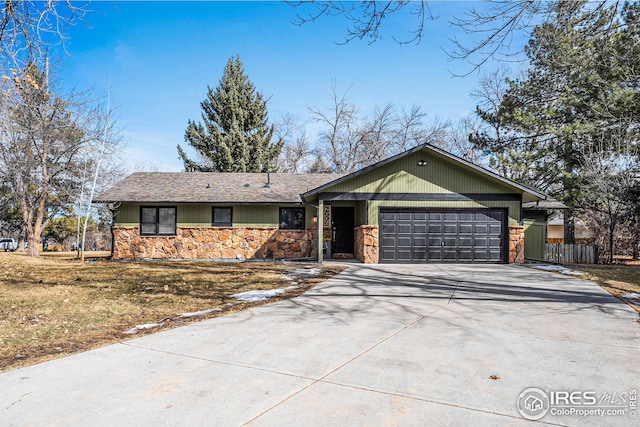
point(342, 230)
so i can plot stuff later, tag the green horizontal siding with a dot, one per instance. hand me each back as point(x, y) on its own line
point(513, 207)
point(440, 175)
point(199, 215)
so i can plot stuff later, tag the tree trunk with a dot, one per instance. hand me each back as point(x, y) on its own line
point(34, 244)
point(612, 229)
point(569, 227)
point(569, 223)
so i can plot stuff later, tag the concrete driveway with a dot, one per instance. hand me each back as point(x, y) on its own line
point(374, 346)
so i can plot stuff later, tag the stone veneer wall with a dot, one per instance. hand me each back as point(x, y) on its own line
point(366, 243)
point(216, 243)
point(516, 244)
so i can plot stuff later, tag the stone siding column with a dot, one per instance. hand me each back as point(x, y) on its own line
point(516, 244)
point(366, 244)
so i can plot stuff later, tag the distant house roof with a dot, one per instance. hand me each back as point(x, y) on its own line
point(207, 187)
point(544, 205)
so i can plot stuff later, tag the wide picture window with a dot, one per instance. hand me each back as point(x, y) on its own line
point(157, 221)
point(292, 218)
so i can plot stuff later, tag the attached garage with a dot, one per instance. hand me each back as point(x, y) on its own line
point(440, 235)
point(422, 206)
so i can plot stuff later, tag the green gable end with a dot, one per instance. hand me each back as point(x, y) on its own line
point(406, 175)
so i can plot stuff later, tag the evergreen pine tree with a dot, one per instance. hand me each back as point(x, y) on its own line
point(234, 135)
point(577, 94)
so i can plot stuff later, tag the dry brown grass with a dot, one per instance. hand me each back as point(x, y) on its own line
point(618, 279)
point(53, 306)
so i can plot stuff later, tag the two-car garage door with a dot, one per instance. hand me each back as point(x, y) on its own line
point(428, 235)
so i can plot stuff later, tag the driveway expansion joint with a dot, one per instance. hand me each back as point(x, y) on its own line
point(351, 360)
point(222, 362)
point(430, 400)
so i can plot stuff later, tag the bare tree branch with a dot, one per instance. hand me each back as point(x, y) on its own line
point(366, 17)
point(30, 28)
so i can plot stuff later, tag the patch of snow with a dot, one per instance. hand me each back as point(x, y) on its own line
point(306, 272)
point(285, 277)
point(573, 273)
point(558, 268)
point(261, 295)
point(199, 313)
point(139, 328)
point(633, 298)
point(547, 267)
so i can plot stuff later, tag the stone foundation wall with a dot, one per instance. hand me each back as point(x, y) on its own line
point(216, 243)
point(366, 243)
point(516, 244)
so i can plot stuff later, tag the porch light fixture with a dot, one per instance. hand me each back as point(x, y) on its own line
point(314, 219)
point(422, 162)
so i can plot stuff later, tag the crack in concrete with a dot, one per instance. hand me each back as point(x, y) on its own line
point(18, 401)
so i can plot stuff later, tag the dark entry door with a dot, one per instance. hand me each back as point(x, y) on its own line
point(342, 233)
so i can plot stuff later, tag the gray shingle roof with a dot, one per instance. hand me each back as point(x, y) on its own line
point(205, 187)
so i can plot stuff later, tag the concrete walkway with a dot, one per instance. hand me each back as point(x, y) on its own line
point(375, 345)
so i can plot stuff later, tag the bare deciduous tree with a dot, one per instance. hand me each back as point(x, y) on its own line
point(609, 179)
point(45, 142)
point(296, 154)
point(456, 140)
point(349, 141)
point(339, 138)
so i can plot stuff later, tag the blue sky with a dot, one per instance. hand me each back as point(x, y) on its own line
point(160, 57)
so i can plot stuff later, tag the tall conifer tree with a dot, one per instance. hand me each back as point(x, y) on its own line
point(234, 134)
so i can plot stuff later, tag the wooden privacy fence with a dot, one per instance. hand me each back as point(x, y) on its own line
point(571, 254)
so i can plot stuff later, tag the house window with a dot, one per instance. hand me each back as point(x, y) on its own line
point(292, 218)
point(222, 217)
point(155, 220)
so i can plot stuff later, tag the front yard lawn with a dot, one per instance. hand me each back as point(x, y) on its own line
point(618, 279)
point(51, 306)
